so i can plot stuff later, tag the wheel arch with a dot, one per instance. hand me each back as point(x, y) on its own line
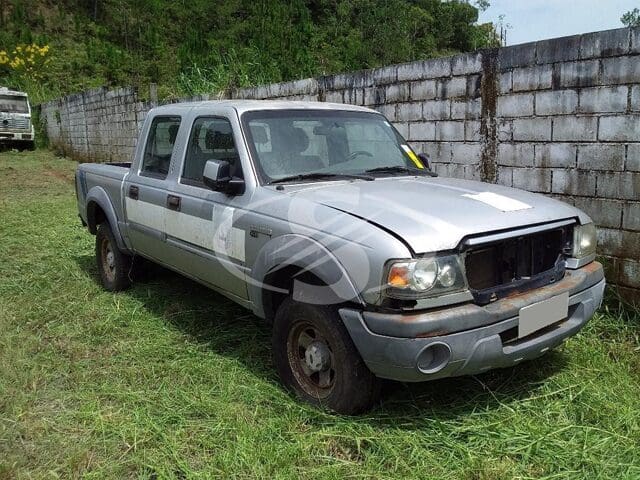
point(288, 258)
point(100, 209)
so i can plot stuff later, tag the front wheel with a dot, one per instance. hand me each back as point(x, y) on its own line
point(114, 266)
point(316, 358)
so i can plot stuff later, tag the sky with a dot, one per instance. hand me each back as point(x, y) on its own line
point(532, 20)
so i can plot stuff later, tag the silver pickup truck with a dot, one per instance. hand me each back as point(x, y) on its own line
point(322, 220)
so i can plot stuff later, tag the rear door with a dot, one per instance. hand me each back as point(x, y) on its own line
point(203, 223)
point(146, 189)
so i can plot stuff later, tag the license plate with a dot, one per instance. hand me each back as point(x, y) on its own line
point(542, 314)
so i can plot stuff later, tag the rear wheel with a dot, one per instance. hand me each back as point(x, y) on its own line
point(316, 358)
point(114, 266)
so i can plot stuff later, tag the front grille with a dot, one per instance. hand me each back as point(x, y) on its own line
point(517, 264)
point(14, 123)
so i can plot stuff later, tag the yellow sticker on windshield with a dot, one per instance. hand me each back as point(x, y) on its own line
point(411, 154)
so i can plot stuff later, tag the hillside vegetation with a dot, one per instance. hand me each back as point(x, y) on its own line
point(198, 46)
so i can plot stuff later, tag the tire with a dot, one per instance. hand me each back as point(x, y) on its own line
point(31, 146)
point(316, 359)
point(114, 266)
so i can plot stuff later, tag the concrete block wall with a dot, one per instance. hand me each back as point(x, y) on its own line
point(560, 117)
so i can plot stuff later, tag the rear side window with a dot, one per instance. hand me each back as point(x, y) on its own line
point(211, 139)
point(159, 148)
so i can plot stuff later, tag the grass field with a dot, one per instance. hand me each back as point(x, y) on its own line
point(170, 380)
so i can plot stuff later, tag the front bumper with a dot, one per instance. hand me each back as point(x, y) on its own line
point(469, 339)
point(16, 136)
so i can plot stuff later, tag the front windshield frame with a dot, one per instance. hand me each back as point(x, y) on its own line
point(264, 179)
point(7, 99)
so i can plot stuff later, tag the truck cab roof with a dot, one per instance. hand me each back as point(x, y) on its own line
point(242, 106)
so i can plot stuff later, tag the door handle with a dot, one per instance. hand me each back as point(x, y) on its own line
point(133, 192)
point(173, 202)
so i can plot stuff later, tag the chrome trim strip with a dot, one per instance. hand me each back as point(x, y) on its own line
point(575, 263)
point(495, 237)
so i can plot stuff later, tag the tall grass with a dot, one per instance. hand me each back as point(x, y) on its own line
point(169, 380)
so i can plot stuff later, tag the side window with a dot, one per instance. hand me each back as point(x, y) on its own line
point(159, 147)
point(211, 139)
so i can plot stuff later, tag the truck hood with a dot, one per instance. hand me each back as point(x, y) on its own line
point(435, 214)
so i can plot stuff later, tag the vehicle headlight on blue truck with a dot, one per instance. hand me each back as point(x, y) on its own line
point(426, 276)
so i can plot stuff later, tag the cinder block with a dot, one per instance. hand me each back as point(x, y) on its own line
point(601, 157)
point(620, 70)
point(409, 111)
point(505, 176)
point(469, 109)
point(397, 93)
point(422, 131)
point(635, 98)
point(374, 95)
point(631, 216)
point(474, 85)
point(389, 111)
point(385, 75)
point(353, 96)
point(555, 155)
point(635, 40)
point(403, 128)
point(506, 82)
point(603, 99)
point(434, 68)
point(436, 109)
point(608, 43)
point(466, 63)
point(466, 153)
point(573, 182)
point(605, 213)
point(618, 243)
point(579, 74)
point(532, 78)
point(532, 179)
point(439, 152)
point(557, 102)
point(575, 129)
point(472, 131)
point(516, 154)
point(621, 128)
point(633, 157)
point(558, 49)
point(450, 131)
point(504, 129)
point(334, 97)
point(453, 87)
point(423, 90)
point(629, 272)
point(619, 185)
point(517, 55)
point(520, 105)
point(532, 129)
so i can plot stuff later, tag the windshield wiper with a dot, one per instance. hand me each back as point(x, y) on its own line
point(401, 169)
point(318, 176)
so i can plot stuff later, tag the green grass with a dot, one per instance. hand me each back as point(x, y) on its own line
point(170, 380)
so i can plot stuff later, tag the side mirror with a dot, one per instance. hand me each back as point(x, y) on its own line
point(424, 158)
point(217, 176)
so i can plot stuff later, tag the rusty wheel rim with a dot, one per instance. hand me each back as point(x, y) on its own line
point(108, 259)
point(311, 360)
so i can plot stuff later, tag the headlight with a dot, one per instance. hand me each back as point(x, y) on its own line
point(428, 276)
point(584, 240)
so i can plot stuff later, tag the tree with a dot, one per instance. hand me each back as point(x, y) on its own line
point(631, 18)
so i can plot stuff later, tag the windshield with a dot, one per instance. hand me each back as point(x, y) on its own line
point(14, 104)
point(287, 143)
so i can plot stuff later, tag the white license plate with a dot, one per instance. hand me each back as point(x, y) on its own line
point(542, 314)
